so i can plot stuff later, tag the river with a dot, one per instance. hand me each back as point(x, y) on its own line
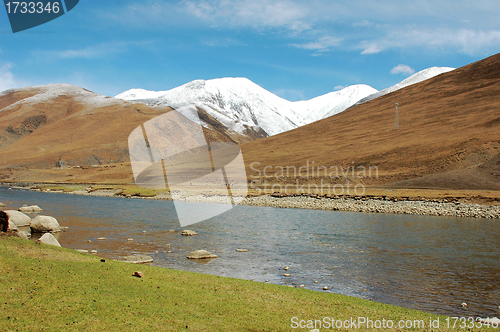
point(420, 262)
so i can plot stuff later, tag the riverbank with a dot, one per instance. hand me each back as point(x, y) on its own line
point(372, 205)
point(40, 282)
point(399, 202)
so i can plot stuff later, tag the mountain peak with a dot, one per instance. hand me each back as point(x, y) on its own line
point(413, 79)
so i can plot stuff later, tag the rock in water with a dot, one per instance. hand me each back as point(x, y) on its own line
point(48, 238)
point(18, 218)
point(2, 205)
point(242, 250)
point(45, 224)
point(137, 259)
point(30, 209)
point(201, 254)
point(188, 232)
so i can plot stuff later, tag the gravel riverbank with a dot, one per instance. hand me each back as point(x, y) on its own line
point(367, 204)
point(370, 205)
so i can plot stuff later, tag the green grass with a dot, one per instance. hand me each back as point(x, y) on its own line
point(124, 189)
point(138, 191)
point(45, 288)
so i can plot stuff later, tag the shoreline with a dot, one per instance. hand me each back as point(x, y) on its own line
point(140, 299)
point(449, 207)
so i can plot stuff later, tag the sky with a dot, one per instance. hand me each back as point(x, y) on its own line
point(295, 49)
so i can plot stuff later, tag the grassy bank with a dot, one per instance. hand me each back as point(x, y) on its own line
point(46, 288)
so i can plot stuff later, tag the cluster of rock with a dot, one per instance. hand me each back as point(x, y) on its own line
point(374, 205)
point(23, 225)
point(197, 254)
point(91, 191)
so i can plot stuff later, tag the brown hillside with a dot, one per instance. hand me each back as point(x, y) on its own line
point(40, 126)
point(448, 137)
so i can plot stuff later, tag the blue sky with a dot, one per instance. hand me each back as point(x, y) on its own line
point(296, 49)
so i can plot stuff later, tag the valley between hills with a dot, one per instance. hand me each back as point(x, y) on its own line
point(447, 145)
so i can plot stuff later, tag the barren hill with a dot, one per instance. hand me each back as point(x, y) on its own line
point(448, 137)
point(45, 126)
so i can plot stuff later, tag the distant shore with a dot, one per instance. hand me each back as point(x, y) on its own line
point(450, 207)
point(370, 205)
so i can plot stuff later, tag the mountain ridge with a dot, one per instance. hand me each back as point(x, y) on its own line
point(244, 106)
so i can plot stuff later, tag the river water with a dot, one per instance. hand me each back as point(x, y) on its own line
point(421, 262)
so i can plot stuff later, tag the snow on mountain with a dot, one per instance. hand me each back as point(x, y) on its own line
point(51, 91)
point(237, 103)
point(242, 105)
point(332, 103)
point(413, 79)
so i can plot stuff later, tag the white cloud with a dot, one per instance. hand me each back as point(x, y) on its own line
point(364, 23)
point(371, 48)
point(456, 40)
point(7, 80)
point(402, 69)
point(255, 13)
point(427, 25)
point(222, 42)
point(90, 52)
point(338, 87)
point(323, 44)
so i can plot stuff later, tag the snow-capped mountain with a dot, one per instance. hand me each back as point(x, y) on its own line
point(413, 79)
point(244, 107)
point(241, 105)
point(332, 103)
point(237, 103)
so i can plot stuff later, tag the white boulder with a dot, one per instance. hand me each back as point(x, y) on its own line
point(30, 209)
point(18, 218)
point(48, 238)
point(201, 254)
point(45, 224)
point(137, 259)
